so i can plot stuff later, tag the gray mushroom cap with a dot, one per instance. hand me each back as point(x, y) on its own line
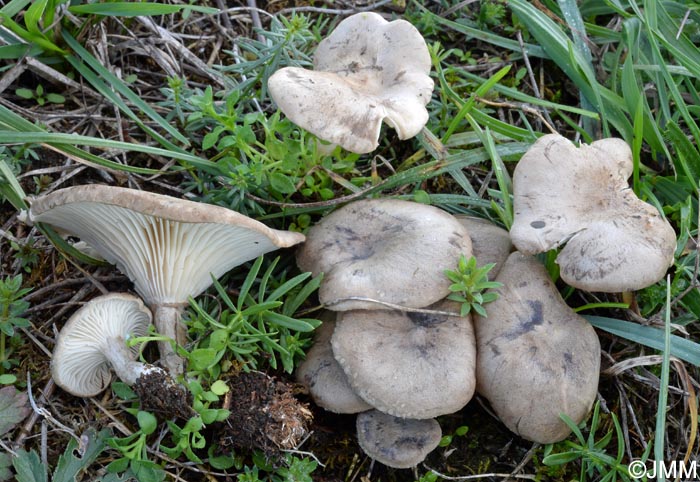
point(490, 243)
point(321, 374)
point(397, 442)
point(367, 71)
point(579, 196)
point(93, 340)
point(536, 358)
point(384, 249)
point(411, 365)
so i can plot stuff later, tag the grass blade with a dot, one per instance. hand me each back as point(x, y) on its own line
point(648, 336)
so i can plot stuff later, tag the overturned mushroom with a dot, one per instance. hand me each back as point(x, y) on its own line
point(367, 71)
point(170, 248)
point(536, 358)
point(324, 377)
point(93, 340)
point(579, 196)
point(397, 442)
point(412, 365)
point(384, 249)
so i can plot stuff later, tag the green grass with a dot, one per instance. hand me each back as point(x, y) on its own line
point(606, 68)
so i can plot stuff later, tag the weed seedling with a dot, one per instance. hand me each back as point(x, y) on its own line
point(468, 285)
point(12, 307)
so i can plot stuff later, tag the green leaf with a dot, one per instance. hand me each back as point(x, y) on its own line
point(70, 463)
point(25, 93)
point(289, 322)
point(219, 387)
point(134, 9)
point(560, 459)
point(14, 407)
point(281, 183)
point(28, 467)
point(5, 464)
point(147, 422)
point(202, 358)
point(649, 336)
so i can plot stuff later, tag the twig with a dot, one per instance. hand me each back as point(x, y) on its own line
point(31, 421)
point(393, 306)
point(531, 74)
point(334, 11)
point(481, 476)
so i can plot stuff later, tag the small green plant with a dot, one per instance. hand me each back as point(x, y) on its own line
point(591, 453)
point(292, 469)
point(134, 460)
point(460, 431)
point(12, 307)
point(469, 283)
point(71, 463)
point(40, 96)
point(259, 325)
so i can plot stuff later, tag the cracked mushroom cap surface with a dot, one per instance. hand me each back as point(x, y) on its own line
point(167, 246)
point(411, 365)
point(79, 364)
point(384, 249)
point(366, 71)
point(321, 374)
point(536, 358)
point(579, 197)
point(397, 442)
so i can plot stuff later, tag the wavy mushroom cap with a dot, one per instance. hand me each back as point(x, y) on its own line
point(579, 196)
point(384, 249)
point(412, 365)
point(79, 364)
point(321, 374)
point(397, 442)
point(168, 247)
point(367, 71)
point(536, 358)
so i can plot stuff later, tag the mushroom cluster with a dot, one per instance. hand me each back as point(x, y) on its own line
point(367, 71)
point(170, 248)
point(394, 350)
point(398, 368)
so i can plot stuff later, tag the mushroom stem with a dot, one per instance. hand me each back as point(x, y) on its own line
point(119, 357)
point(168, 322)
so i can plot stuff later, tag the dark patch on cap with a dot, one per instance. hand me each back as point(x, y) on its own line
point(538, 224)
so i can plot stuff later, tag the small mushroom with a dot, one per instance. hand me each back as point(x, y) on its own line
point(579, 196)
point(367, 71)
point(321, 374)
point(93, 340)
point(397, 442)
point(490, 243)
point(170, 248)
point(388, 250)
point(536, 358)
point(412, 365)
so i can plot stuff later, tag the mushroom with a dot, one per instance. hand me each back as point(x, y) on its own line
point(397, 442)
point(536, 358)
point(388, 250)
point(579, 196)
point(94, 339)
point(411, 365)
point(490, 243)
point(321, 374)
point(367, 71)
point(170, 248)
